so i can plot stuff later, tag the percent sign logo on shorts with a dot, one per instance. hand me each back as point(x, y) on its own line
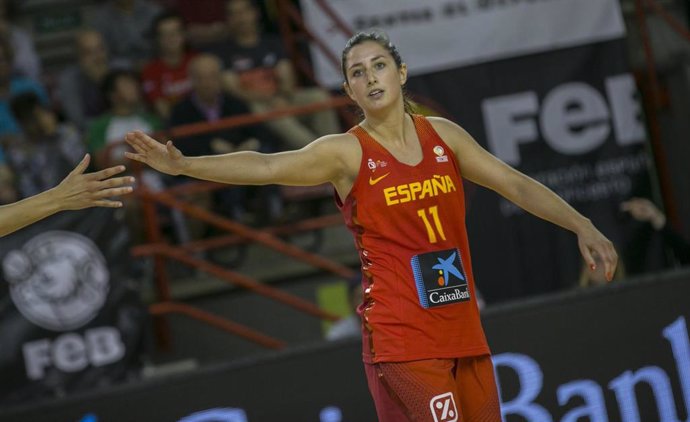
point(443, 408)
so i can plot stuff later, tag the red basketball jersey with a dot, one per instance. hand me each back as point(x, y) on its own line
point(409, 228)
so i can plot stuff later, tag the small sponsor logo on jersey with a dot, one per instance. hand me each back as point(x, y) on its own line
point(373, 165)
point(443, 408)
point(441, 156)
point(440, 278)
point(373, 181)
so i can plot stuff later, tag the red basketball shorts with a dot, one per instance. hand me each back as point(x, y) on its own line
point(435, 390)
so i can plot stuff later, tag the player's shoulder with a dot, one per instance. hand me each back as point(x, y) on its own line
point(442, 124)
point(341, 150)
point(336, 142)
point(448, 130)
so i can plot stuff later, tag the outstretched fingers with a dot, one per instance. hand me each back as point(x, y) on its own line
point(106, 173)
point(136, 157)
point(106, 203)
point(610, 258)
point(82, 166)
point(110, 192)
point(587, 255)
point(115, 182)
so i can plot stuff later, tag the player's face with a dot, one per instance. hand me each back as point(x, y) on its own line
point(374, 81)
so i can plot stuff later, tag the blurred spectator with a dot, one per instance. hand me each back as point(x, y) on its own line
point(46, 151)
point(166, 78)
point(125, 114)
point(8, 193)
point(13, 85)
point(204, 19)
point(208, 103)
point(126, 28)
point(644, 211)
point(258, 71)
point(26, 60)
point(79, 85)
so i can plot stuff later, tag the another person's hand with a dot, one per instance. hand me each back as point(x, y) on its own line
point(164, 158)
point(593, 243)
point(643, 209)
point(79, 190)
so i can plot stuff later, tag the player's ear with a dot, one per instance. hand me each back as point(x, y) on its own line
point(348, 91)
point(403, 73)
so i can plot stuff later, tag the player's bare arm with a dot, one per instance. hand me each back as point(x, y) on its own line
point(332, 158)
point(479, 166)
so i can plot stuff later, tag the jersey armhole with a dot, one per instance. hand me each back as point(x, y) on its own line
point(341, 202)
point(432, 131)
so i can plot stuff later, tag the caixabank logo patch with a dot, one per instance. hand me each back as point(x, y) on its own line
point(440, 278)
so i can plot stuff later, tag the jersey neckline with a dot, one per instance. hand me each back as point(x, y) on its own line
point(420, 140)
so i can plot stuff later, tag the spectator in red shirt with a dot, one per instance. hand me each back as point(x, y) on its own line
point(166, 78)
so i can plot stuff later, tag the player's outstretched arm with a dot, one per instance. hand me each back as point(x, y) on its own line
point(319, 162)
point(479, 166)
point(76, 191)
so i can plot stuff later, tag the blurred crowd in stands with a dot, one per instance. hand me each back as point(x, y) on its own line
point(150, 65)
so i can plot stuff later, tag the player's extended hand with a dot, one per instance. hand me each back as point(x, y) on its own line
point(164, 158)
point(592, 242)
point(79, 190)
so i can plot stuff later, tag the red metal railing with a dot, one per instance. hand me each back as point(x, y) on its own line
point(652, 90)
point(161, 251)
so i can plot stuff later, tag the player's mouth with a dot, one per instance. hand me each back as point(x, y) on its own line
point(376, 93)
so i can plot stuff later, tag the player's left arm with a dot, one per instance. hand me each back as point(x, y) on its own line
point(479, 166)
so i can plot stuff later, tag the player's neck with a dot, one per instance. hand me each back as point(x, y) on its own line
point(389, 126)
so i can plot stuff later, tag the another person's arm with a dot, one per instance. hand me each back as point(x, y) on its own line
point(643, 209)
point(479, 166)
point(76, 191)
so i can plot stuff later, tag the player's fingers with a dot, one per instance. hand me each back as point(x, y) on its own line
point(104, 174)
point(145, 140)
point(610, 260)
point(107, 203)
point(587, 256)
point(110, 192)
point(136, 145)
point(136, 157)
point(115, 182)
point(83, 164)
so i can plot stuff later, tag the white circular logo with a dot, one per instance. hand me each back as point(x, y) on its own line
point(58, 280)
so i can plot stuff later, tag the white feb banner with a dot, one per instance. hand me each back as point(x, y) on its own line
point(436, 35)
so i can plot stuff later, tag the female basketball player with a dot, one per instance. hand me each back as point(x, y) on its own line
point(76, 191)
point(398, 182)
